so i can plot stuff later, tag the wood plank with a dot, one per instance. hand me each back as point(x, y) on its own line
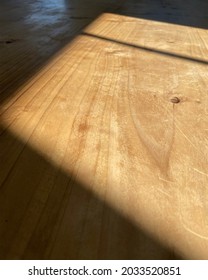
point(98, 160)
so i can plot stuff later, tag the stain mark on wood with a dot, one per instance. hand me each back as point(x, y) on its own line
point(83, 127)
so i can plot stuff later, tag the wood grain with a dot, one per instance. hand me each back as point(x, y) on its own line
point(98, 161)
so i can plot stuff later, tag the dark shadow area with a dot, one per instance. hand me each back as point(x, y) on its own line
point(191, 13)
point(48, 214)
point(151, 50)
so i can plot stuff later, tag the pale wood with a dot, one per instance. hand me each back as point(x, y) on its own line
point(99, 160)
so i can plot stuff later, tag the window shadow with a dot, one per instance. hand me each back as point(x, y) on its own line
point(46, 213)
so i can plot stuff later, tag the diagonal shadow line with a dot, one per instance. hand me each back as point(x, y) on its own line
point(46, 213)
point(178, 56)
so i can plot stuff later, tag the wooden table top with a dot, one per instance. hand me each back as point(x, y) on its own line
point(104, 130)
